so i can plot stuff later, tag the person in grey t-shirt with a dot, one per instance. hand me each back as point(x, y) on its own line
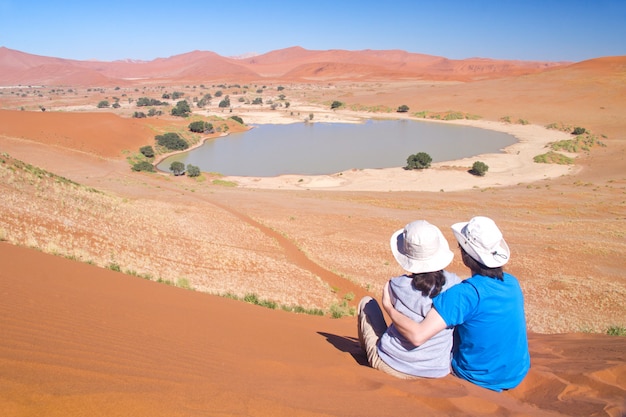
point(422, 250)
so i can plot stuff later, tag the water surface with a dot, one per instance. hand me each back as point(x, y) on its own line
point(327, 148)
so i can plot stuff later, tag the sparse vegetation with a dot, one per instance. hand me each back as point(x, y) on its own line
point(339, 310)
point(237, 119)
point(224, 183)
point(553, 158)
point(449, 115)
point(254, 299)
point(616, 331)
point(454, 116)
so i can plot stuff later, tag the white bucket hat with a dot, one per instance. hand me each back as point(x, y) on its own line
point(483, 241)
point(421, 247)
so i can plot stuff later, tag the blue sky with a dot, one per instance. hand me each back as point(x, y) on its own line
point(545, 30)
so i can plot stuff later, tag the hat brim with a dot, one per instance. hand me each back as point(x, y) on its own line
point(487, 259)
point(437, 263)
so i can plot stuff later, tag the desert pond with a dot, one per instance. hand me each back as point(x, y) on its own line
point(327, 148)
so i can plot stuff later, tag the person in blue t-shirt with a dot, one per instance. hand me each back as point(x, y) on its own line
point(487, 310)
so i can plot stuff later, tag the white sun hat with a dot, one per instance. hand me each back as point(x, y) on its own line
point(483, 241)
point(421, 247)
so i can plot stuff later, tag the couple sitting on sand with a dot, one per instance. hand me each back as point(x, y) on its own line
point(429, 307)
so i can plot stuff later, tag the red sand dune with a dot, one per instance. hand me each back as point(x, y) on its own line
point(18, 68)
point(80, 340)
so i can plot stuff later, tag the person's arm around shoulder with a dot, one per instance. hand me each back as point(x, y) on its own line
point(414, 332)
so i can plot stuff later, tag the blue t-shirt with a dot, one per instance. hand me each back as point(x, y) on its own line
point(491, 348)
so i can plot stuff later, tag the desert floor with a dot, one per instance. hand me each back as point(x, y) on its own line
point(84, 339)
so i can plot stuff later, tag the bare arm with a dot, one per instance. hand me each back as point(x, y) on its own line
point(414, 332)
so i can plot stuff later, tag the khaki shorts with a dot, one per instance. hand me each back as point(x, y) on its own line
point(371, 325)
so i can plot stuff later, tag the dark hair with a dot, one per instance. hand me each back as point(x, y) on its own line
point(478, 268)
point(429, 283)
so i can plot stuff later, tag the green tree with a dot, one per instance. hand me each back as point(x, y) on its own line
point(177, 167)
point(335, 105)
point(147, 151)
point(193, 171)
point(103, 104)
point(479, 168)
point(579, 131)
point(420, 160)
point(182, 109)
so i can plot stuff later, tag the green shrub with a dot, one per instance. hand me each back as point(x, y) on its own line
point(420, 160)
point(335, 105)
point(172, 141)
point(224, 103)
point(143, 166)
point(479, 168)
point(147, 151)
point(145, 101)
point(403, 109)
point(200, 126)
point(193, 171)
point(579, 131)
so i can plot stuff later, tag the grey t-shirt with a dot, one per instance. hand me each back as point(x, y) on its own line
point(431, 359)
